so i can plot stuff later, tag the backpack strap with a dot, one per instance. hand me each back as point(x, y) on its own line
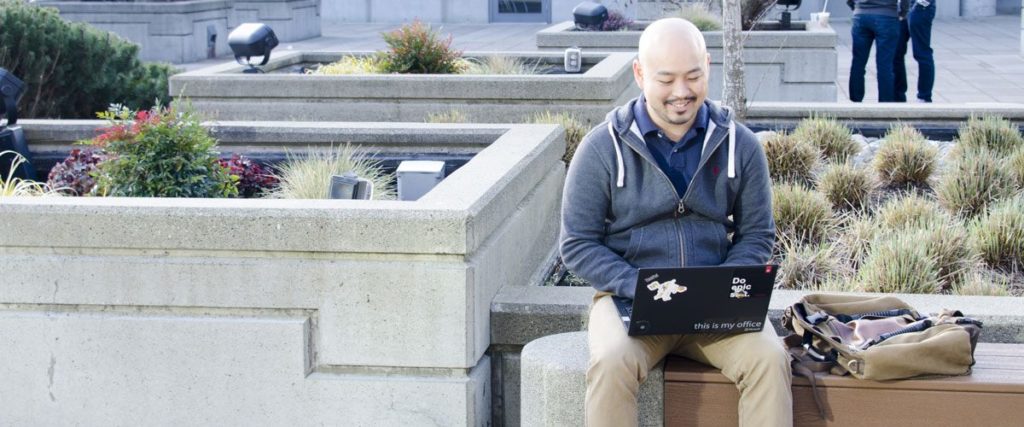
point(805, 366)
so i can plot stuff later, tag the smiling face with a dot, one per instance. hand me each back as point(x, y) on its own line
point(672, 71)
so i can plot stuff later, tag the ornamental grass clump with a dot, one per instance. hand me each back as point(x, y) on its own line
point(161, 152)
point(450, 116)
point(349, 64)
point(974, 179)
point(847, 186)
point(982, 283)
point(834, 139)
point(700, 16)
point(905, 159)
point(899, 263)
point(500, 65)
point(992, 133)
point(1015, 164)
point(999, 235)
point(809, 266)
point(575, 129)
point(790, 159)
point(11, 186)
point(309, 177)
point(909, 211)
point(801, 215)
point(417, 49)
point(855, 238)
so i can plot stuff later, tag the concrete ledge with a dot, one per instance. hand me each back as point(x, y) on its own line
point(884, 113)
point(792, 66)
point(225, 93)
point(554, 384)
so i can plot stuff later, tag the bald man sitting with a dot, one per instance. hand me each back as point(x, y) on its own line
point(661, 183)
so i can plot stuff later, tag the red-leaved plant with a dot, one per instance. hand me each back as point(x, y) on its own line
point(253, 179)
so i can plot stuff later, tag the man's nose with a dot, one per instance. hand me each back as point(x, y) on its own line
point(680, 89)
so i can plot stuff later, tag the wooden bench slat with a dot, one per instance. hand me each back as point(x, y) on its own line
point(999, 369)
point(713, 405)
point(992, 395)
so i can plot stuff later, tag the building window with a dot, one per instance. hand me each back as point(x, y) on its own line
point(520, 10)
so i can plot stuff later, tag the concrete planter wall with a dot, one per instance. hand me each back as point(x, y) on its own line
point(227, 94)
point(272, 312)
point(977, 8)
point(779, 65)
point(180, 32)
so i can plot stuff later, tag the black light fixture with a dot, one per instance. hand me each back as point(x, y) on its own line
point(12, 138)
point(252, 39)
point(786, 19)
point(589, 15)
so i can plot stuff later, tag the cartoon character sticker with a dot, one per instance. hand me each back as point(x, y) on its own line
point(664, 291)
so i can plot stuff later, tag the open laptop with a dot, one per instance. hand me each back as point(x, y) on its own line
point(695, 300)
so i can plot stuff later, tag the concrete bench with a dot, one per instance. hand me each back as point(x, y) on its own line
point(691, 394)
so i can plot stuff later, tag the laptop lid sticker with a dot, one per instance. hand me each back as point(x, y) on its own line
point(740, 288)
point(664, 291)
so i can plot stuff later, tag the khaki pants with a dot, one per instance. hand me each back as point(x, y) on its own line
point(756, 362)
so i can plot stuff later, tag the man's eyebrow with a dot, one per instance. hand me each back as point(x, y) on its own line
point(669, 73)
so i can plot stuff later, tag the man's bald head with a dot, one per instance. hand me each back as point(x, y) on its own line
point(672, 71)
point(669, 36)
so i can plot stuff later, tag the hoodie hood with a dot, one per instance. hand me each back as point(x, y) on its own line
point(622, 128)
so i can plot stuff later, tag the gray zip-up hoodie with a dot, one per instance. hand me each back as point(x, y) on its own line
point(620, 212)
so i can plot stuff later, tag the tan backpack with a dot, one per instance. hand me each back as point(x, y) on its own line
point(878, 337)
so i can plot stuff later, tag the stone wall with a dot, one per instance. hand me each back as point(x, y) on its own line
point(188, 31)
point(794, 66)
point(219, 311)
point(224, 92)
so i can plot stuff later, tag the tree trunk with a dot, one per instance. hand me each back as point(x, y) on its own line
point(734, 90)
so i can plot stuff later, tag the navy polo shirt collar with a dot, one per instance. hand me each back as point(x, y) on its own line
point(646, 125)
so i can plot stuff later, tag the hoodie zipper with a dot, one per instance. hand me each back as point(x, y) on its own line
point(680, 210)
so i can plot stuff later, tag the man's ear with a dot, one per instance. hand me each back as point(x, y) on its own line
point(638, 74)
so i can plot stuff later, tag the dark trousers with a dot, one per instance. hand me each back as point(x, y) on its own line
point(884, 32)
point(917, 29)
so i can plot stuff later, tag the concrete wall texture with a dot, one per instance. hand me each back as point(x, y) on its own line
point(224, 92)
point(271, 312)
point(178, 32)
point(793, 66)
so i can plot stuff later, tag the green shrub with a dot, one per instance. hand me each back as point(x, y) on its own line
point(450, 116)
point(161, 152)
point(834, 139)
point(905, 159)
point(499, 64)
point(575, 130)
point(310, 177)
point(999, 235)
point(349, 64)
point(899, 263)
point(847, 186)
point(417, 49)
point(73, 70)
point(790, 159)
point(700, 16)
point(973, 181)
point(993, 133)
point(809, 266)
point(801, 215)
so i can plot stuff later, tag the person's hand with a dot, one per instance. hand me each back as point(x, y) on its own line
point(850, 3)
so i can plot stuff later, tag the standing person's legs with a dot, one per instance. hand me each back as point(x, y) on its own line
point(900, 66)
point(887, 35)
point(618, 364)
point(920, 26)
point(862, 39)
point(759, 365)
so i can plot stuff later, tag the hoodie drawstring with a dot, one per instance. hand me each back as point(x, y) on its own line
point(621, 180)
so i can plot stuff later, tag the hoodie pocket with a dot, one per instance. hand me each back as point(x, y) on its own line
point(710, 243)
point(636, 237)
